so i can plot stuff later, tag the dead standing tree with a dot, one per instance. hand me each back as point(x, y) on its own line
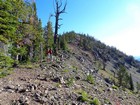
point(58, 11)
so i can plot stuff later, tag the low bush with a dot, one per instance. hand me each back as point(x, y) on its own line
point(87, 98)
point(5, 61)
point(114, 87)
point(70, 81)
point(95, 101)
point(4, 72)
point(90, 79)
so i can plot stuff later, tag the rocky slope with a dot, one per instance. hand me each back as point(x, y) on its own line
point(109, 58)
point(66, 81)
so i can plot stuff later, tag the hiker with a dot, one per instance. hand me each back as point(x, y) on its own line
point(49, 54)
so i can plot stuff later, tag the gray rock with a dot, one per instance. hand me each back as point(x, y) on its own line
point(9, 87)
point(46, 91)
point(77, 77)
point(21, 89)
point(44, 99)
point(52, 98)
point(22, 79)
point(21, 101)
point(10, 91)
point(121, 98)
point(57, 79)
point(1, 90)
point(32, 87)
point(41, 77)
point(40, 97)
point(24, 100)
point(62, 80)
point(56, 66)
point(109, 89)
point(74, 103)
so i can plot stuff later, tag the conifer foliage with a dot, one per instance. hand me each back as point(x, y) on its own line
point(48, 34)
point(21, 32)
point(7, 21)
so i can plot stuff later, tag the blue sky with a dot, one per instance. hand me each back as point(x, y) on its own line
point(114, 22)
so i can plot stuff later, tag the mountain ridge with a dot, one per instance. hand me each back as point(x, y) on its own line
point(109, 57)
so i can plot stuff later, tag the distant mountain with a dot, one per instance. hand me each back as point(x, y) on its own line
point(137, 58)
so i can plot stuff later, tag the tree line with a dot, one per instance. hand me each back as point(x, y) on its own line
point(22, 37)
point(21, 31)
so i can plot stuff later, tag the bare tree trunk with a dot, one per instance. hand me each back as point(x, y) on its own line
point(31, 53)
point(56, 29)
point(58, 11)
point(17, 56)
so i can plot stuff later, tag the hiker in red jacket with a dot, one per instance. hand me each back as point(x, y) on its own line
point(49, 54)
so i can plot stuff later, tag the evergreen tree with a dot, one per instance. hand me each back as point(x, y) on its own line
point(38, 46)
point(48, 34)
point(131, 83)
point(33, 33)
point(8, 24)
point(20, 29)
point(124, 79)
point(121, 75)
point(8, 21)
point(20, 11)
point(63, 43)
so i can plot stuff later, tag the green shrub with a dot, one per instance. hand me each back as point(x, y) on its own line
point(5, 65)
point(90, 79)
point(95, 101)
point(114, 87)
point(5, 72)
point(75, 69)
point(129, 91)
point(66, 71)
point(87, 98)
point(5, 61)
point(84, 96)
point(29, 66)
point(70, 81)
point(2, 74)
